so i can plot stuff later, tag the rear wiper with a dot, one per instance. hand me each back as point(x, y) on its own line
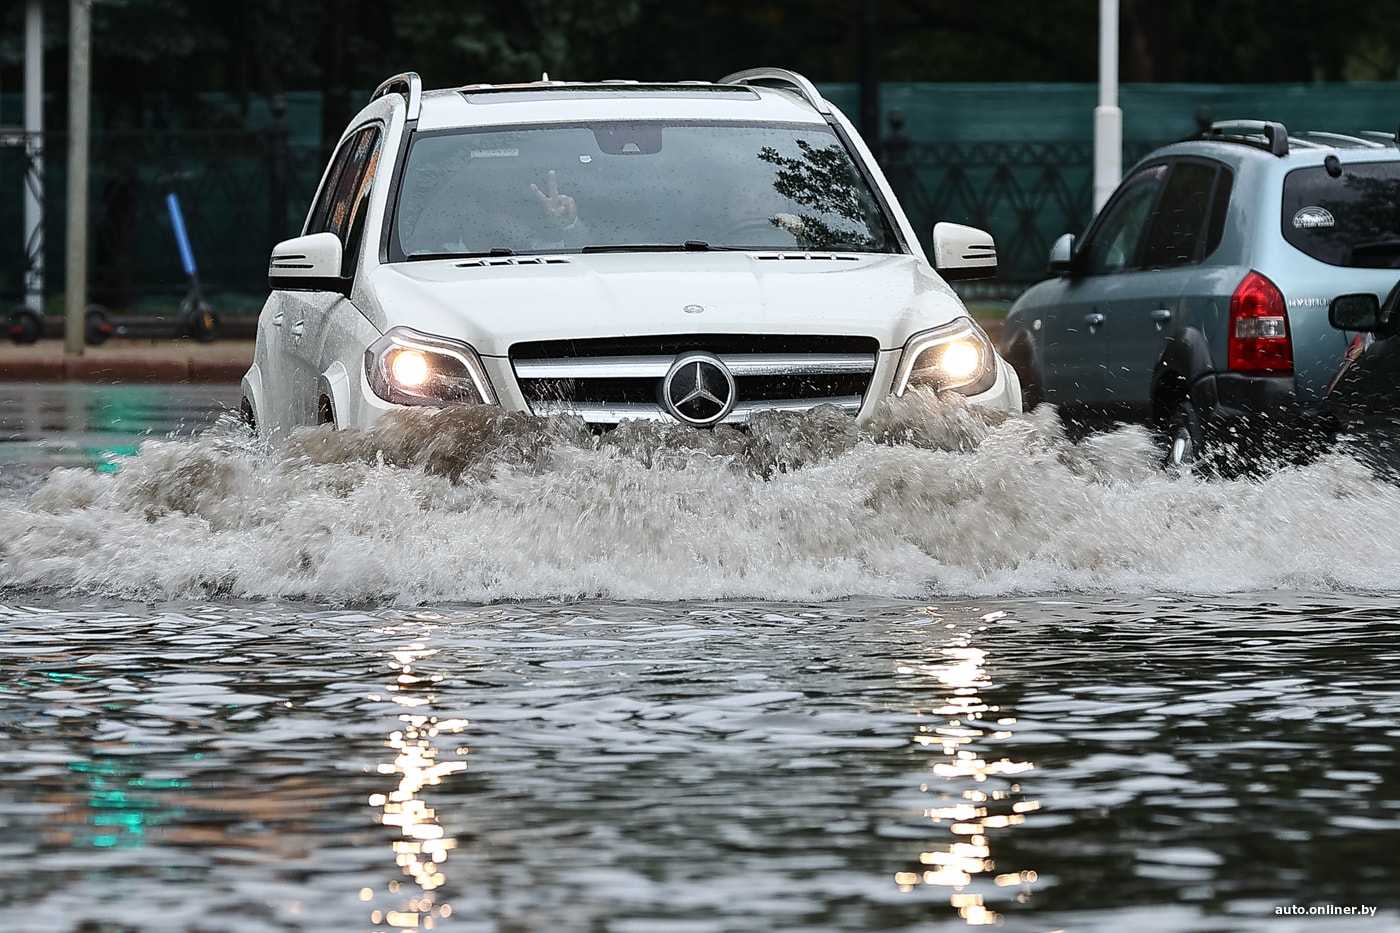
point(1375, 249)
point(689, 246)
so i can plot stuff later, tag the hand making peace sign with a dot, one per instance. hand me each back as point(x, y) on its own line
point(560, 207)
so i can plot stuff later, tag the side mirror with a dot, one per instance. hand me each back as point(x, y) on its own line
point(961, 253)
point(308, 263)
point(1062, 255)
point(1355, 312)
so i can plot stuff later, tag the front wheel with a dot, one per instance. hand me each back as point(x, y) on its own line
point(201, 322)
point(1032, 391)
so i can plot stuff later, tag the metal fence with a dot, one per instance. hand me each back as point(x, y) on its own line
point(1013, 159)
point(1026, 194)
point(240, 191)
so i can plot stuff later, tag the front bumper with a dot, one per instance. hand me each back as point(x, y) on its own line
point(361, 407)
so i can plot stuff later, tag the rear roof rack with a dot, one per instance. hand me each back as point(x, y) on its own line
point(1274, 137)
point(1364, 140)
point(805, 89)
point(409, 85)
point(1382, 137)
point(1261, 134)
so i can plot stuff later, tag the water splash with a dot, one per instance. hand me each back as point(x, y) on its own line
point(932, 498)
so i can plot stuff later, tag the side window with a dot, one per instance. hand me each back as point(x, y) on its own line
point(1176, 235)
point(1219, 211)
point(322, 208)
point(1113, 243)
point(339, 204)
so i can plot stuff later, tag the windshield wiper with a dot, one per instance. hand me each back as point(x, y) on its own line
point(689, 246)
point(478, 254)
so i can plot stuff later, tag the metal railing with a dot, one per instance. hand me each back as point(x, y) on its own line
point(1025, 193)
point(240, 190)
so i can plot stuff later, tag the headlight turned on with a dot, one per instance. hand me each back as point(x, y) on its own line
point(956, 357)
point(409, 368)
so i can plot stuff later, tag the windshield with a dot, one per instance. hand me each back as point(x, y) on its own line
point(648, 184)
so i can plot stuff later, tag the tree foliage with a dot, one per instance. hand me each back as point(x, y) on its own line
point(256, 48)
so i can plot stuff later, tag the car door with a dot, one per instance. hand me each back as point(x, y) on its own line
point(1074, 345)
point(304, 316)
point(1144, 305)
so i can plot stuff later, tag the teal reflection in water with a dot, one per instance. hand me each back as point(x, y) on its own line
point(122, 804)
point(49, 425)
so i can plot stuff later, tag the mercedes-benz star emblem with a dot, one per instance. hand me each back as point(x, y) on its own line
point(698, 389)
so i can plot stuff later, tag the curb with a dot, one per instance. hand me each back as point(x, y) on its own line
point(121, 370)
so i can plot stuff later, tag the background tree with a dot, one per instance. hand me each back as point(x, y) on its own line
point(175, 49)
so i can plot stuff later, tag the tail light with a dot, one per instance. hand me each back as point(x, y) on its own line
point(1259, 340)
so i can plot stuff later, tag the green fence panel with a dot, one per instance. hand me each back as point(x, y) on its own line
point(1014, 159)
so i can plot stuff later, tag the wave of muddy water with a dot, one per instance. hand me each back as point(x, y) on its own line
point(933, 498)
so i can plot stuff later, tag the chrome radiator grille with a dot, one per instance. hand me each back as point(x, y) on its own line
point(608, 380)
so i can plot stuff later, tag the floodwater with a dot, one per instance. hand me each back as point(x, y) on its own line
point(481, 672)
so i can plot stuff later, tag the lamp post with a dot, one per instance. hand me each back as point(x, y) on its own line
point(1108, 118)
point(79, 86)
point(34, 155)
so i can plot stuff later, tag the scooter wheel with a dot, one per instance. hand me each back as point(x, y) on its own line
point(204, 325)
point(25, 326)
point(97, 325)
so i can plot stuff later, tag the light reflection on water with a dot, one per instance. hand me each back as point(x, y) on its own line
point(975, 796)
point(420, 763)
point(1160, 764)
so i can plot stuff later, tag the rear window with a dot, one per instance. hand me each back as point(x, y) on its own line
point(1352, 219)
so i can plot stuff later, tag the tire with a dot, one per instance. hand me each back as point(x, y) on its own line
point(246, 414)
point(97, 325)
point(1032, 395)
point(1031, 392)
point(1183, 439)
point(201, 322)
point(25, 326)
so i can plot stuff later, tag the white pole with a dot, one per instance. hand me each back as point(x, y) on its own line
point(34, 151)
point(1108, 118)
point(79, 87)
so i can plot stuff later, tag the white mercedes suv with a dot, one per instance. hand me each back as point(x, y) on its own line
point(692, 252)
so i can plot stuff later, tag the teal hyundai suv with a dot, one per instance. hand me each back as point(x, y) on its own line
point(1197, 300)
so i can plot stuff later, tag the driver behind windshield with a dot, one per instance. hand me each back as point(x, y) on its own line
point(519, 190)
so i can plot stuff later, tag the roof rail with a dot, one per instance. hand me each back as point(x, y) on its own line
point(1381, 136)
point(806, 89)
point(1262, 134)
point(1362, 140)
point(409, 85)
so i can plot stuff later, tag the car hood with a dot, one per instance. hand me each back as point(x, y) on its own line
point(494, 303)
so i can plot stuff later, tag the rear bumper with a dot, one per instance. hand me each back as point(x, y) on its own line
point(1258, 416)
